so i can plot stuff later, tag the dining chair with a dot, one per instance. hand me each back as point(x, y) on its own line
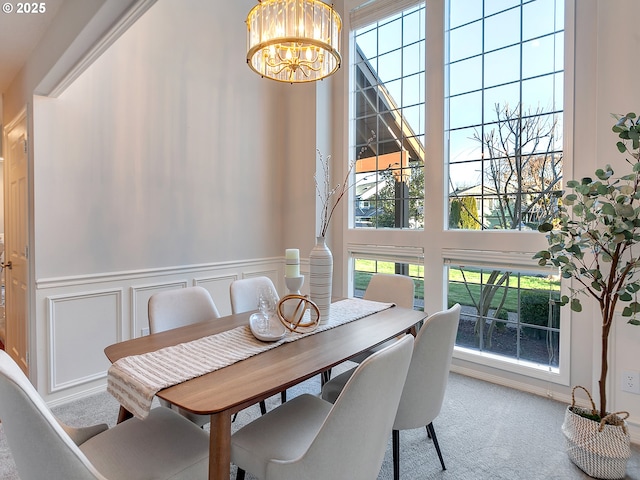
point(308, 437)
point(388, 288)
point(424, 390)
point(244, 298)
point(244, 293)
point(178, 308)
point(392, 288)
point(164, 445)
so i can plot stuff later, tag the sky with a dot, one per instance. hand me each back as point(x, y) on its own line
point(476, 82)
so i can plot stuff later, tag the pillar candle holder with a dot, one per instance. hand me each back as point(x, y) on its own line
point(294, 284)
point(291, 309)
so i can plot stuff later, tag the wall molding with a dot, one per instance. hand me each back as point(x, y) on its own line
point(82, 315)
point(54, 303)
point(75, 280)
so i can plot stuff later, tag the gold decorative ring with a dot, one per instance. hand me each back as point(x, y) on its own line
point(295, 321)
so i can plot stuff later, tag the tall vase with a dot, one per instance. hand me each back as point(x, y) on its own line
point(320, 277)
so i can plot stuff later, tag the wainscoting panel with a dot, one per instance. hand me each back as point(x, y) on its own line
point(76, 318)
point(218, 287)
point(74, 321)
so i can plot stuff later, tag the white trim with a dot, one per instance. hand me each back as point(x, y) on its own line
point(519, 261)
point(54, 87)
point(393, 253)
point(524, 368)
point(374, 10)
point(52, 301)
point(74, 280)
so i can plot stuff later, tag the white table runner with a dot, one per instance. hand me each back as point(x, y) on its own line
point(135, 380)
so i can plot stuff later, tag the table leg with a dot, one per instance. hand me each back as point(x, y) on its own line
point(123, 414)
point(220, 446)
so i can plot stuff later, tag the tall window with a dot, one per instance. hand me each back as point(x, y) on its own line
point(504, 112)
point(497, 155)
point(389, 72)
point(504, 74)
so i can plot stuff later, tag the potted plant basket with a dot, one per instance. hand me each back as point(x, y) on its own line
point(590, 241)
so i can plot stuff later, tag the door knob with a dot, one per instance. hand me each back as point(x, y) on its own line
point(8, 265)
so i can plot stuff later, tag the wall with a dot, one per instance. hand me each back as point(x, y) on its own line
point(167, 163)
point(617, 92)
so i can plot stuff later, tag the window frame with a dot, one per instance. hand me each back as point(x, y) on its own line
point(435, 240)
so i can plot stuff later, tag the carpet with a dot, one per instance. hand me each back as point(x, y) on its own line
point(485, 431)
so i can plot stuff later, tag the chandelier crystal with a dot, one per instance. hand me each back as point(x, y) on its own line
point(293, 41)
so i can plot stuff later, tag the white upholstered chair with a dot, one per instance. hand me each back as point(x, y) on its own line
point(392, 288)
point(426, 383)
point(388, 288)
point(180, 307)
point(177, 308)
point(309, 438)
point(244, 293)
point(163, 446)
point(244, 298)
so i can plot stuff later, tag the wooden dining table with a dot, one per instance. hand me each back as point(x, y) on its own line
point(228, 390)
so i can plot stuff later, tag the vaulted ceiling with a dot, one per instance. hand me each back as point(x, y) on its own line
point(20, 34)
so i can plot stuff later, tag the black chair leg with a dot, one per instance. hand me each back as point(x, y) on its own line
point(395, 436)
point(325, 377)
point(263, 407)
point(432, 433)
point(240, 474)
point(283, 396)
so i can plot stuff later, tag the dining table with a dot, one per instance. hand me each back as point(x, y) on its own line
point(223, 392)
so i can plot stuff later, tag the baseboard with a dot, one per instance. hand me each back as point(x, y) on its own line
point(632, 424)
point(77, 396)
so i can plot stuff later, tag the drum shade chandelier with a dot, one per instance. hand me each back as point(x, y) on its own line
point(293, 41)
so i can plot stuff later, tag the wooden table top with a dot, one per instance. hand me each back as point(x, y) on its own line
point(248, 381)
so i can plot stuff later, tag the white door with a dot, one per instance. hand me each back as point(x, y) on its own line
point(16, 241)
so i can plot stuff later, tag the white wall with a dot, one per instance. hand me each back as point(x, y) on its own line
point(617, 92)
point(167, 163)
point(161, 153)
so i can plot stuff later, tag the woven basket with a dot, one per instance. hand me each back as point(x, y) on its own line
point(600, 449)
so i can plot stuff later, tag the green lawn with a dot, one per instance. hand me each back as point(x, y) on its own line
point(458, 292)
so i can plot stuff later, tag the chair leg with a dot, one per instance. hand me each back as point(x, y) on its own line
point(263, 407)
point(325, 377)
point(432, 432)
point(283, 396)
point(395, 436)
point(240, 474)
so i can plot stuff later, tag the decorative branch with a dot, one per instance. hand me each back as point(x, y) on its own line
point(330, 196)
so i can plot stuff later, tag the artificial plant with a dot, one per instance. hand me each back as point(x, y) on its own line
point(592, 239)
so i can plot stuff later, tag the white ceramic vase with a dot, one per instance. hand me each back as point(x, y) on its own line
point(320, 277)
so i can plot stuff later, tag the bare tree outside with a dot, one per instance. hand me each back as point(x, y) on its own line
point(520, 187)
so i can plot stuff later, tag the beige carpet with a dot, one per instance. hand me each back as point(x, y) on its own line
point(486, 432)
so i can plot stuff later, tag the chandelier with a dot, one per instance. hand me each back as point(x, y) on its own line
point(293, 41)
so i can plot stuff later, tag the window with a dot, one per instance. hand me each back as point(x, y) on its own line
point(507, 313)
point(504, 76)
point(365, 268)
point(389, 122)
point(504, 97)
point(492, 158)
